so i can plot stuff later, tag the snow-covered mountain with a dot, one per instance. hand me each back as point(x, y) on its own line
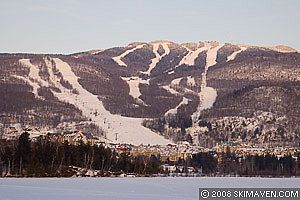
point(160, 85)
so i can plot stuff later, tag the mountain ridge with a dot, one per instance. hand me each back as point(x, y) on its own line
point(151, 80)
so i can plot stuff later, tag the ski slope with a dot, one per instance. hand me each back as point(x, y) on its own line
point(134, 82)
point(96, 52)
point(118, 59)
point(191, 56)
point(118, 129)
point(169, 89)
point(35, 86)
point(176, 81)
point(207, 95)
point(234, 54)
point(174, 110)
point(34, 72)
point(157, 57)
point(33, 79)
point(212, 56)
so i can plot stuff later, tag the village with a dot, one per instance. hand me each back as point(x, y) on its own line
point(172, 156)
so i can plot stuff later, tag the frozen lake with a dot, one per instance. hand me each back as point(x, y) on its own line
point(126, 188)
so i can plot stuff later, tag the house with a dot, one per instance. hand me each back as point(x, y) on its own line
point(11, 133)
point(74, 138)
point(169, 168)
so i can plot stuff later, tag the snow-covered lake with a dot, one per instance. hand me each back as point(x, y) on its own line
point(126, 188)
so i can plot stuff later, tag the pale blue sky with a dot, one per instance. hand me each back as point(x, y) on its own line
point(67, 26)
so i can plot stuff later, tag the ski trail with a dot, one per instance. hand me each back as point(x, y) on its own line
point(134, 82)
point(96, 52)
point(176, 81)
point(34, 85)
point(207, 95)
point(119, 129)
point(118, 59)
point(212, 56)
point(187, 58)
point(33, 78)
point(34, 72)
point(169, 89)
point(191, 56)
point(157, 57)
point(234, 54)
point(174, 110)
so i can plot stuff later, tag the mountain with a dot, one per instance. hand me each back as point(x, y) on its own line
point(158, 92)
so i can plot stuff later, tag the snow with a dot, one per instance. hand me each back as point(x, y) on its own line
point(96, 52)
point(157, 57)
point(283, 49)
point(174, 110)
point(191, 81)
point(33, 78)
point(34, 85)
point(234, 54)
point(191, 56)
point(118, 59)
point(169, 89)
point(34, 72)
point(212, 55)
point(167, 188)
point(176, 81)
point(207, 95)
point(134, 83)
point(119, 129)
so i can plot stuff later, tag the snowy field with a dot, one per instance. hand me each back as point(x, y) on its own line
point(126, 188)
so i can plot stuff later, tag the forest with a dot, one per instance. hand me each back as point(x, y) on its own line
point(43, 158)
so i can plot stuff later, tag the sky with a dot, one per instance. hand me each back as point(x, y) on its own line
point(69, 26)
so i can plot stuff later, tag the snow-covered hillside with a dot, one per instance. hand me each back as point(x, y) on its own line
point(157, 57)
point(234, 54)
point(149, 80)
point(191, 56)
point(134, 86)
point(174, 110)
point(207, 94)
point(118, 59)
point(118, 129)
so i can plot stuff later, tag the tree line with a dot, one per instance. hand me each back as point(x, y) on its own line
point(250, 165)
point(45, 158)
